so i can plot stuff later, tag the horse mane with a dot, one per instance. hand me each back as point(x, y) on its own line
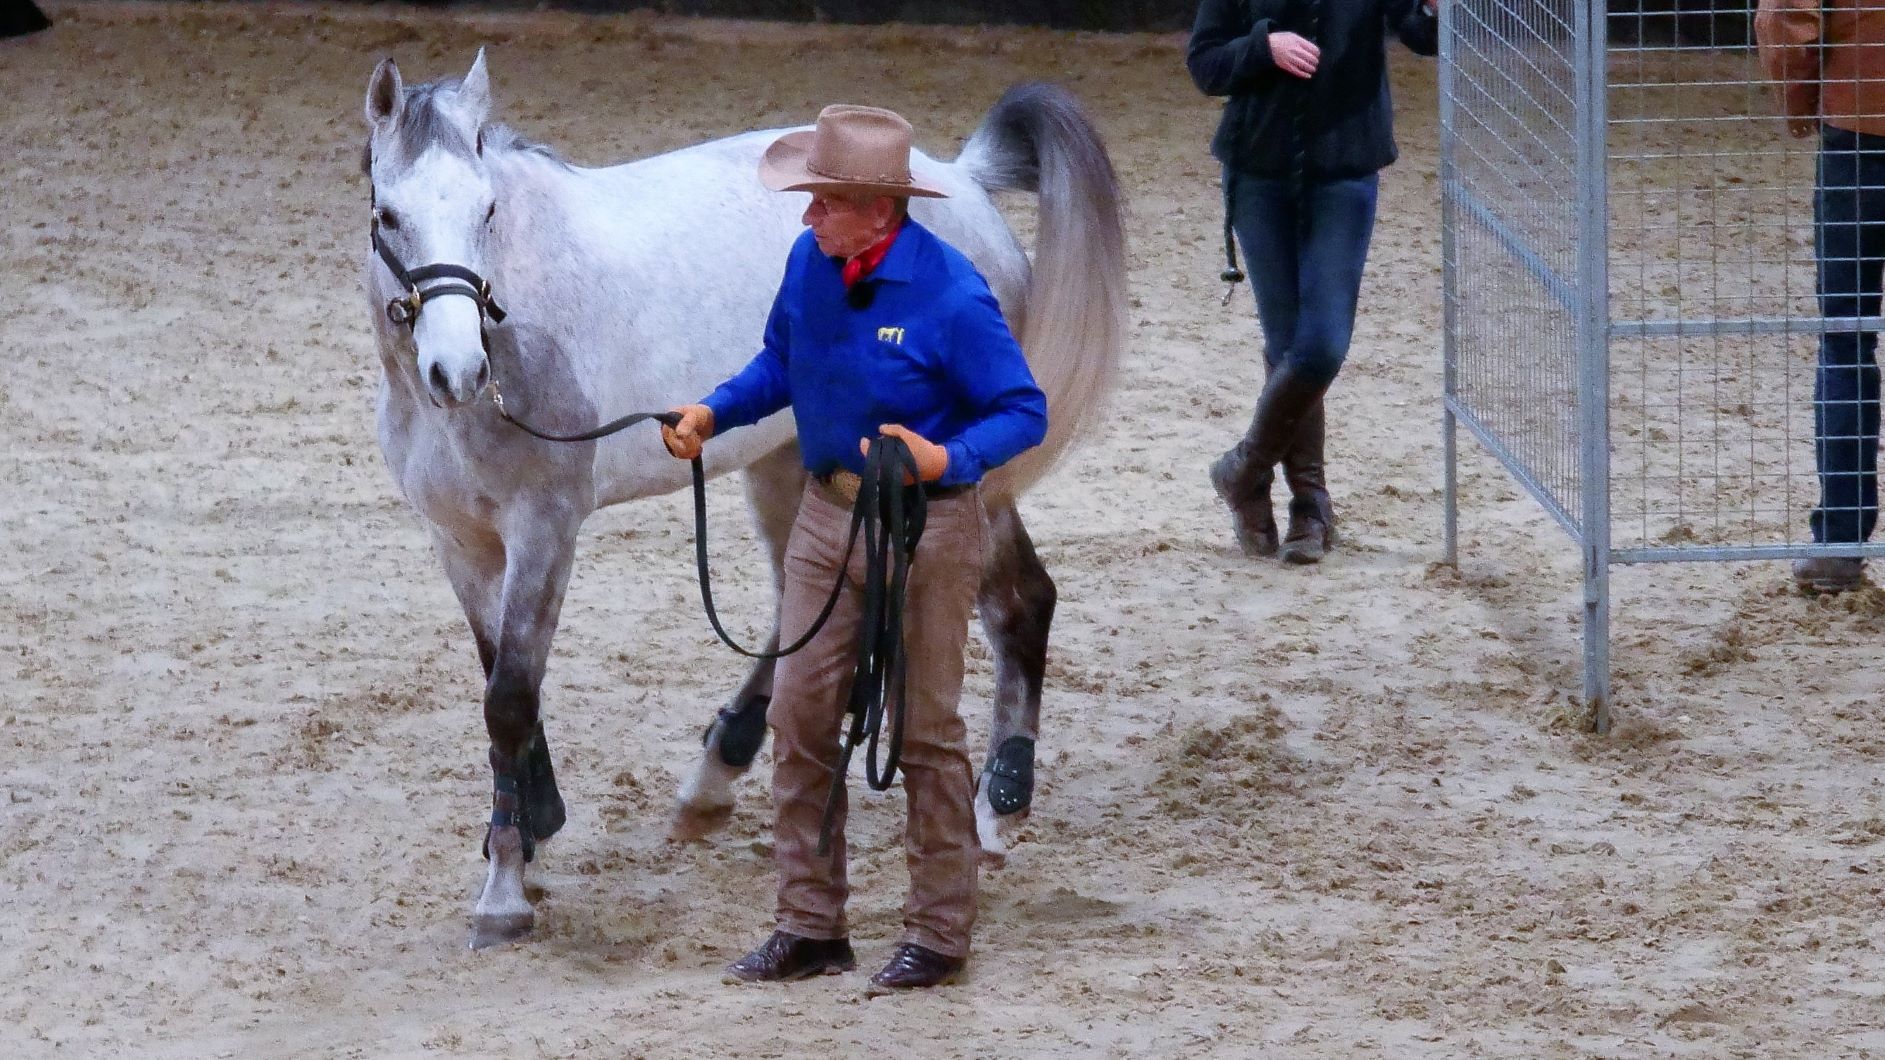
point(423, 124)
point(504, 138)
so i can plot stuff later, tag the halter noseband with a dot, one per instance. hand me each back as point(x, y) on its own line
point(458, 280)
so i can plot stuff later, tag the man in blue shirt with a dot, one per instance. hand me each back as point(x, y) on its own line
point(879, 328)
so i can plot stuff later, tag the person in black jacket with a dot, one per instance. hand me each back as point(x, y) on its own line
point(1306, 131)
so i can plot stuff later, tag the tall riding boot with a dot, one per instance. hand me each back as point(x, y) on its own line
point(1244, 485)
point(1243, 475)
point(1311, 514)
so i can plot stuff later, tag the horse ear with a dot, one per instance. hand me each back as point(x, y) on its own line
point(474, 94)
point(386, 95)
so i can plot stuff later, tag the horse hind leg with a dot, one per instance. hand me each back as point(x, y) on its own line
point(774, 485)
point(1016, 603)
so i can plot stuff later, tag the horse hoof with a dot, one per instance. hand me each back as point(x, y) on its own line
point(500, 928)
point(997, 832)
point(692, 824)
point(705, 802)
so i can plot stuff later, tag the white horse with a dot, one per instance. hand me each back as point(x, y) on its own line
point(640, 287)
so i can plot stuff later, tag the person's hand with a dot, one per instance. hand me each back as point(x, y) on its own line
point(1294, 54)
point(931, 459)
point(685, 439)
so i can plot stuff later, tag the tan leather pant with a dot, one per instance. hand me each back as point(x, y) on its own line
point(807, 713)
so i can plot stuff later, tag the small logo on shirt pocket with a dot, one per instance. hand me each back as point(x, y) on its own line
point(891, 335)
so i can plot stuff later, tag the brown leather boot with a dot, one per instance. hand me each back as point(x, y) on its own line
point(1252, 518)
point(1311, 513)
point(915, 967)
point(1829, 574)
point(785, 957)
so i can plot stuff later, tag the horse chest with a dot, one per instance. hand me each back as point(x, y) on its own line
point(440, 482)
point(451, 499)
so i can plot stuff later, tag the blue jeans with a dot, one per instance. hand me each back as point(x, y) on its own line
point(1849, 243)
point(1307, 275)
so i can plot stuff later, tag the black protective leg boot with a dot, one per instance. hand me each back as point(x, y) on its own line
point(1311, 514)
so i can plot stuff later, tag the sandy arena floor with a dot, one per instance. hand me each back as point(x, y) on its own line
point(1331, 812)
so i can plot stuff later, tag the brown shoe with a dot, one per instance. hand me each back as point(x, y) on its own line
point(914, 967)
point(1829, 574)
point(786, 957)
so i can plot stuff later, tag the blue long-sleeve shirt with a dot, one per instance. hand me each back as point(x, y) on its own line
point(930, 352)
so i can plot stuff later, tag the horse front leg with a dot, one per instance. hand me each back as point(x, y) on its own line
point(474, 564)
point(1017, 607)
point(525, 805)
point(774, 485)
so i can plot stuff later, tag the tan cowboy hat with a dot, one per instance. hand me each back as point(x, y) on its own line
point(861, 150)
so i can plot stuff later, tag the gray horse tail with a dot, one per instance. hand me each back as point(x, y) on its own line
point(1038, 138)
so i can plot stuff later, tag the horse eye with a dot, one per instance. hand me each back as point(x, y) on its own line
point(388, 221)
point(490, 213)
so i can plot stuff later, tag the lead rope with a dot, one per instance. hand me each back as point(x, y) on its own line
point(1232, 274)
point(1299, 164)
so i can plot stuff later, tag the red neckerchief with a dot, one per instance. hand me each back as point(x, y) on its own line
point(865, 263)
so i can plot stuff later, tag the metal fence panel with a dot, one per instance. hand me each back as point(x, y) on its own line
point(1510, 128)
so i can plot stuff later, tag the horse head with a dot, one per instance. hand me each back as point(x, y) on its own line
point(434, 215)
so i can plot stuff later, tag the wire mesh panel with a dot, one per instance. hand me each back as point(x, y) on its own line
point(1510, 156)
point(1715, 321)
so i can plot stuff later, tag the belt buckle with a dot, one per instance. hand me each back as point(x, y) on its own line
point(842, 486)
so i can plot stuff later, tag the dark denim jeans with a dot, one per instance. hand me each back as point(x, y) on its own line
point(1849, 241)
point(1307, 277)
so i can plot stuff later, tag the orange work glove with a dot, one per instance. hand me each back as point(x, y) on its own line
point(695, 428)
point(931, 459)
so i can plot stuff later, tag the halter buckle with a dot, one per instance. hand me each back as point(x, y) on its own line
point(404, 310)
